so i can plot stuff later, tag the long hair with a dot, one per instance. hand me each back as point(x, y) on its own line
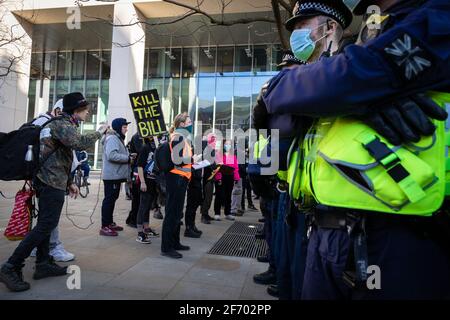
point(180, 118)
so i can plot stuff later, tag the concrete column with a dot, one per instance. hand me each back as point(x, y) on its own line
point(127, 62)
point(14, 86)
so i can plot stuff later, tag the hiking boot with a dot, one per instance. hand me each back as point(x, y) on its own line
point(172, 254)
point(143, 238)
point(150, 232)
point(190, 233)
point(265, 278)
point(48, 269)
point(12, 277)
point(273, 290)
point(180, 247)
point(115, 227)
point(106, 231)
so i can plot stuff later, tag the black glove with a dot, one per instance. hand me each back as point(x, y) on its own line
point(406, 120)
point(259, 112)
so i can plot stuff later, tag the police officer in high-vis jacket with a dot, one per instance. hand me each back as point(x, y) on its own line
point(373, 163)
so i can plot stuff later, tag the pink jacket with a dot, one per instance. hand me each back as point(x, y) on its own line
point(231, 161)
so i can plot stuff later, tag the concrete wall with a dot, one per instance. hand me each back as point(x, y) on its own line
point(14, 86)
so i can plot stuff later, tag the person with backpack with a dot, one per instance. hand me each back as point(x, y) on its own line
point(177, 180)
point(57, 141)
point(147, 178)
point(116, 170)
point(57, 250)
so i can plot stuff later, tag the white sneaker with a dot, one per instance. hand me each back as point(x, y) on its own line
point(217, 217)
point(230, 217)
point(33, 253)
point(61, 255)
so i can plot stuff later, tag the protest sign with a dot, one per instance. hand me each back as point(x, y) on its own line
point(148, 113)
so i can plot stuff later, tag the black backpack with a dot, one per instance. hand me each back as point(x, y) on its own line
point(163, 159)
point(13, 150)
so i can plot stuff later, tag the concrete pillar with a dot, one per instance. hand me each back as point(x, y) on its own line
point(127, 62)
point(14, 85)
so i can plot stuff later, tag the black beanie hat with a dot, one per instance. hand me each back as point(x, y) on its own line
point(73, 101)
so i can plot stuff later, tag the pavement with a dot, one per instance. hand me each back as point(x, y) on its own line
point(120, 268)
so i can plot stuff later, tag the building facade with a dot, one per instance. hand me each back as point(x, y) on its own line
point(107, 50)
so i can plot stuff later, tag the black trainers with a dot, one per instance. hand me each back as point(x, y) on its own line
point(260, 235)
point(12, 277)
point(264, 259)
point(196, 230)
point(265, 278)
point(252, 207)
point(158, 215)
point(48, 269)
point(172, 254)
point(143, 238)
point(180, 247)
point(150, 232)
point(190, 233)
point(205, 220)
point(273, 290)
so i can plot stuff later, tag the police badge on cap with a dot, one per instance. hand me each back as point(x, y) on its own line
point(289, 59)
point(335, 9)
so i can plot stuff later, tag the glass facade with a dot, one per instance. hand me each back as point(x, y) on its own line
point(216, 85)
point(54, 74)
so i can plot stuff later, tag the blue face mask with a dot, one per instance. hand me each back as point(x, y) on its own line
point(227, 148)
point(302, 45)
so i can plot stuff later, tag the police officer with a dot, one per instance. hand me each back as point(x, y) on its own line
point(321, 23)
point(410, 56)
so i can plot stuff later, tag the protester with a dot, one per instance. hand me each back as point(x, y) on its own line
point(82, 158)
point(208, 178)
point(176, 185)
point(147, 178)
point(134, 146)
point(52, 181)
point(225, 179)
point(116, 161)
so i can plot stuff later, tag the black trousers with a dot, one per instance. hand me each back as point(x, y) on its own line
point(176, 187)
point(208, 192)
point(135, 202)
point(51, 202)
point(246, 189)
point(146, 203)
point(223, 195)
point(194, 201)
point(112, 192)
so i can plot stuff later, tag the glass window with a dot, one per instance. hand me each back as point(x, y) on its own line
point(277, 56)
point(62, 88)
point(78, 65)
point(156, 63)
point(93, 65)
point(63, 65)
point(158, 84)
point(261, 61)
point(188, 94)
point(242, 102)
point(243, 61)
point(207, 61)
point(190, 62)
point(92, 90)
point(206, 90)
point(172, 96)
point(224, 96)
point(106, 64)
point(225, 61)
point(173, 63)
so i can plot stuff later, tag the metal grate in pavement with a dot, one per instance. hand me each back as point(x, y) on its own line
point(239, 241)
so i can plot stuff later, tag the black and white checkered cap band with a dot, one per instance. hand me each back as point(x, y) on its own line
point(291, 58)
point(319, 7)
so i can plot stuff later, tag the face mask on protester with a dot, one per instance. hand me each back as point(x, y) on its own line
point(301, 43)
point(227, 147)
